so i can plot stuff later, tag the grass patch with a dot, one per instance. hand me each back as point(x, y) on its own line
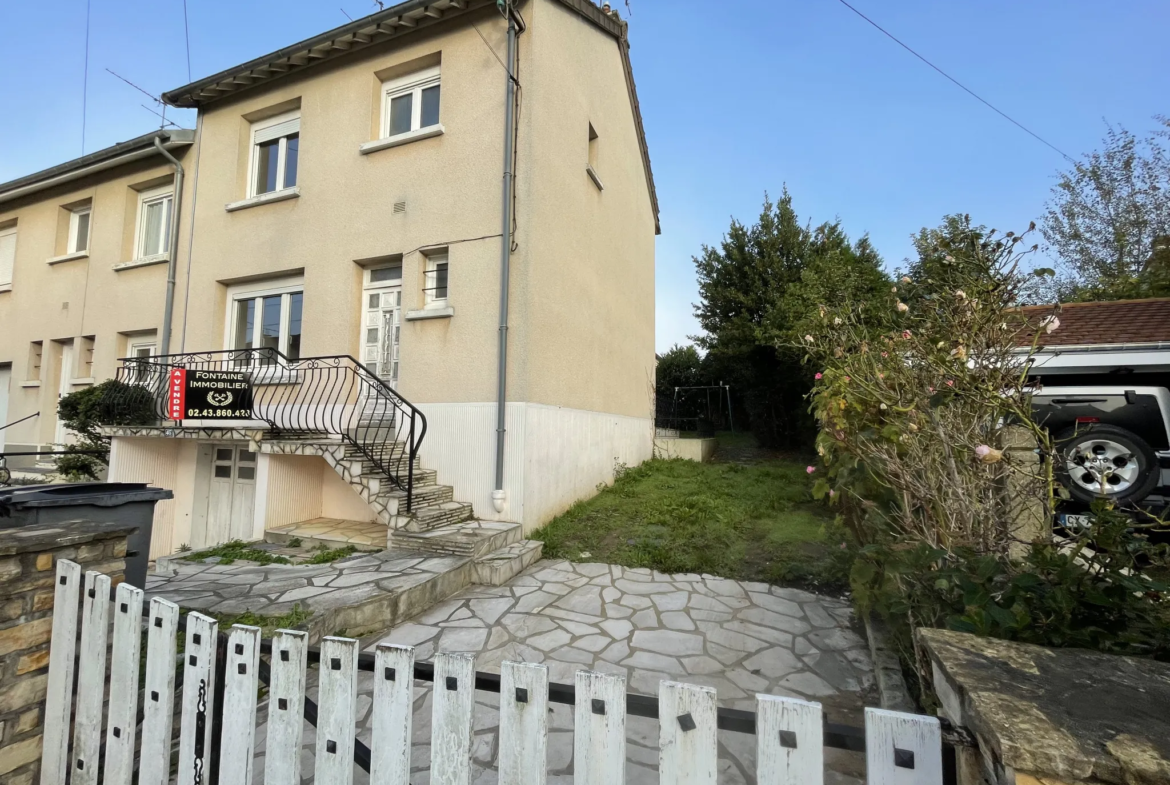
point(756, 522)
point(326, 555)
point(267, 624)
point(237, 549)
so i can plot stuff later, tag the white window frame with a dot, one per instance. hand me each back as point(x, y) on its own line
point(279, 127)
point(141, 376)
point(8, 266)
point(74, 220)
point(285, 287)
point(164, 193)
point(413, 83)
point(433, 260)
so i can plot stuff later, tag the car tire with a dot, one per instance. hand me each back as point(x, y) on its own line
point(1088, 454)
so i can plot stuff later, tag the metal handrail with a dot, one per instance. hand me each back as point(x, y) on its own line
point(22, 419)
point(332, 394)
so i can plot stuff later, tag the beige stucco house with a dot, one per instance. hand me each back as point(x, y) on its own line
point(347, 222)
point(84, 253)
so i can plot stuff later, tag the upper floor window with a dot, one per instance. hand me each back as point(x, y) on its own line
point(154, 222)
point(7, 256)
point(79, 220)
point(410, 103)
point(275, 151)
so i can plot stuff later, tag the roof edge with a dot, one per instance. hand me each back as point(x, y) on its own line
point(138, 147)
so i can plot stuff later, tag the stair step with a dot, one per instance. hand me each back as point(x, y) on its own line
point(433, 516)
point(504, 564)
point(473, 538)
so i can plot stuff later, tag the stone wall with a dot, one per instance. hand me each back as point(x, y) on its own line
point(28, 560)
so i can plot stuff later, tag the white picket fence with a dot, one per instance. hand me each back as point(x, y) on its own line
point(901, 749)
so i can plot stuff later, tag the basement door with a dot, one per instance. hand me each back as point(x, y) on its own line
point(231, 496)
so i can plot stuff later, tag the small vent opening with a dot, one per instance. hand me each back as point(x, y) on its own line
point(399, 207)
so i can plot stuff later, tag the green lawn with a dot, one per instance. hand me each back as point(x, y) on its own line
point(754, 522)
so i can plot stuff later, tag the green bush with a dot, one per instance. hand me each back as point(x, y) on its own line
point(87, 410)
point(1103, 589)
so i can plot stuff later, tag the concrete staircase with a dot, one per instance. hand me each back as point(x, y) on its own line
point(436, 523)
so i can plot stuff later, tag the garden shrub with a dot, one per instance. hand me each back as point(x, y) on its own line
point(86, 411)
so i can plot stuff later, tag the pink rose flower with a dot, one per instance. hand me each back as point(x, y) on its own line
point(810, 469)
point(819, 376)
point(950, 383)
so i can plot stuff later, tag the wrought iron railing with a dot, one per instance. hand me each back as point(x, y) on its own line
point(335, 395)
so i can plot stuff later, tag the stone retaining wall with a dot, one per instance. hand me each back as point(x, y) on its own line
point(28, 560)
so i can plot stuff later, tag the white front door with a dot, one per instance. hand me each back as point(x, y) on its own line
point(64, 385)
point(5, 378)
point(380, 332)
point(231, 497)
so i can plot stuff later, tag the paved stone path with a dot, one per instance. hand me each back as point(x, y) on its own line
point(740, 638)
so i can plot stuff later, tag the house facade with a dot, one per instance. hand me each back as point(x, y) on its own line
point(344, 247)
point(84, 253)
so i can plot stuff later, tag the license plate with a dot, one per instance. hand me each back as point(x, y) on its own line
point(1076, 521)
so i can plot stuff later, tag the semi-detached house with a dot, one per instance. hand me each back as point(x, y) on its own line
point(437, 324)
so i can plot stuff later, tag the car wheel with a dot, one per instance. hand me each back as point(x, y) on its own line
point(1106, 462)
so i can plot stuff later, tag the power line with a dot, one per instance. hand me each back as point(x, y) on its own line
point(85, 79)
point(966, 89)
point(187, 38)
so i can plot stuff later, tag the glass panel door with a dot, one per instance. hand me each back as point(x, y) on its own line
point(381, 329)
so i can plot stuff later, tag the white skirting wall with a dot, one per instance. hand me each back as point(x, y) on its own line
point(554, 456)
point(163, 463)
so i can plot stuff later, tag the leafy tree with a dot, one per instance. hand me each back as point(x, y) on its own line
point(760, 287)
point(681, 366)
point(1106, 214)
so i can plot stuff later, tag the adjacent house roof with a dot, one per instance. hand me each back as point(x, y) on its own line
point(123, 152)
point(391, 23)
point(1110, 323)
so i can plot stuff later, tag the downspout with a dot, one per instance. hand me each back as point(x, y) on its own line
point(164, 343)
point(498, 495)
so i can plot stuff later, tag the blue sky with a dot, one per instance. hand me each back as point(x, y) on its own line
point(739, 98)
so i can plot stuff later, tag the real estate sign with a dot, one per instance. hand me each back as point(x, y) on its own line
point(209, 395)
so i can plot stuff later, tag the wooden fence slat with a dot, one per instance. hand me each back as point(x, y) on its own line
point(198, 699)
point(337, 701)
point(158, 700)
point(91, 679)
point(687, 746)
point(286, 707)
point(523, 723)
point(789, 741)
point(902, 749)
point(599, 735)
point(122, 722)
point(393, 705)
point(453, 707)
point(59, 694)
point(241, 680)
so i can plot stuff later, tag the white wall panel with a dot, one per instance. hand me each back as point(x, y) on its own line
point(153, 461)
point(292, 492)
point(461, 445)
point(569, 451)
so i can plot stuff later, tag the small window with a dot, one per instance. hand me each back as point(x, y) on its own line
point(79, 221)
point(86, 365)
point(154, 222)
point(410, 103)
point(269, 320)
point(140, 354)
point(386, 274)
point(275, 154)
point(435, 289)
point(35, 352)
point(7, 255)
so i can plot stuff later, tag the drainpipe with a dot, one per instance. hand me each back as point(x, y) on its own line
point(498, 495)
point(164, 343)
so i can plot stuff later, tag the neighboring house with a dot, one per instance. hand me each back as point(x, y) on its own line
point(346, 202)
point(1124, 339)
point(84, 249)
